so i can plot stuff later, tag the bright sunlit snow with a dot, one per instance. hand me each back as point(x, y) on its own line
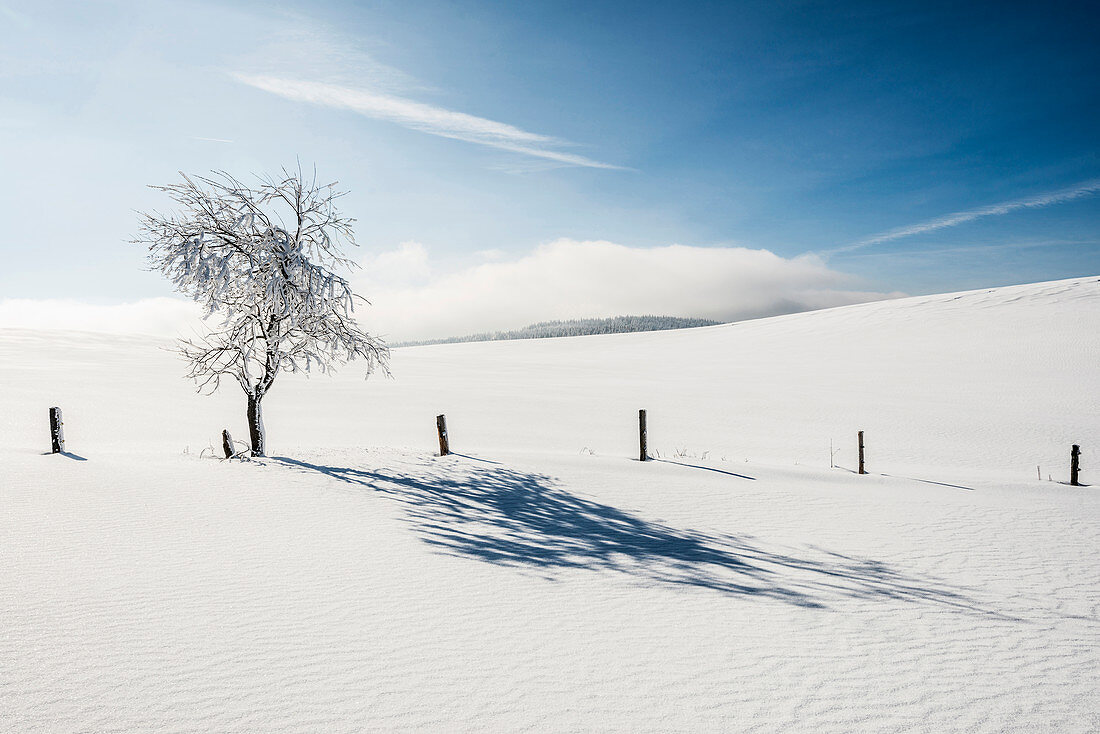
point(541, 578)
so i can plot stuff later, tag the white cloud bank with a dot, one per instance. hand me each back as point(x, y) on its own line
point(570, 279)
point(165, 317)
point(419, 116)
point(561, 280)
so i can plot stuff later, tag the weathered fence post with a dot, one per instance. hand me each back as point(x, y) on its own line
point(227, 444)
point(1075, 465)
point(57, 431)
point(643, 450)
point(441, 428)
point(862, 470)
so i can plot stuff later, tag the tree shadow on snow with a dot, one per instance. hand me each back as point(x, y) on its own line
point(526, 520)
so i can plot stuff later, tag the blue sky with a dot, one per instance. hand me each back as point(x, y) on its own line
point(476, 133)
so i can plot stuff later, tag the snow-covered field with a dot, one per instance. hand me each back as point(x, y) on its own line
point(543, 579)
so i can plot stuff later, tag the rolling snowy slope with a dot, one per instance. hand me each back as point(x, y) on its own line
point(356, 581)
point(997, 381)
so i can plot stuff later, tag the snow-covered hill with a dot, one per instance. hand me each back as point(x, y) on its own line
point(997, 381)
point(544, 580)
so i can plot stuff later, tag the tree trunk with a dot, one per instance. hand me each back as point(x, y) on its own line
point(256, 424)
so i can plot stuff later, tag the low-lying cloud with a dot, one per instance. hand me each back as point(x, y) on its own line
point(165, 317)
point(572, 279)
point(564, 279)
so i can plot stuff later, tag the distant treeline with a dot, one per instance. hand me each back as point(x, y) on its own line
point(574, 327)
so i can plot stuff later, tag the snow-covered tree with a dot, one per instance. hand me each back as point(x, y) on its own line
point(260, 260)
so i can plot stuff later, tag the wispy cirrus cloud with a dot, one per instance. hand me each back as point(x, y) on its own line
point(426, 118)
point(1077, 191)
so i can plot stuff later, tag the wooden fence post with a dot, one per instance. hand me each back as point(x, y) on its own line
point(643, 450)
point(227, 444)
point(862, 470)
point(1075, 465)
point(57, 431)
point(441, 428)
